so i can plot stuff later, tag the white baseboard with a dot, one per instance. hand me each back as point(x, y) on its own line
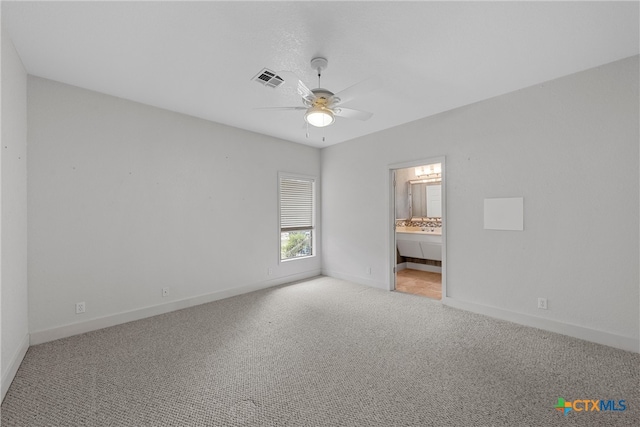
point(575, 331)
point(423, 267)
point(14, 364)
point(42, 336)
point(356, 279)
point(38, 337)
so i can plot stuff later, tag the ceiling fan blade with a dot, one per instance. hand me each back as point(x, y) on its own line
point(350, 113)
point(305, 92)
point(281, 108)
point(357, 89)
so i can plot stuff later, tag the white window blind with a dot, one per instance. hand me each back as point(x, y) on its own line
point(296, 204)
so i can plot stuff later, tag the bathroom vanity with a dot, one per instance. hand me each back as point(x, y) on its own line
point(420, 242)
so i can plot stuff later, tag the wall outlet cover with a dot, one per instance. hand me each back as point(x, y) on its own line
point(80, 307)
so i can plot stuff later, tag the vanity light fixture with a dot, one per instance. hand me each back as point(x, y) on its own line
point(434, 170)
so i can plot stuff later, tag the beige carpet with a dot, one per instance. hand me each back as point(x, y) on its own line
point(320, 353)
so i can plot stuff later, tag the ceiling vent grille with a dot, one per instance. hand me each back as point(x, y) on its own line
point(268, 78)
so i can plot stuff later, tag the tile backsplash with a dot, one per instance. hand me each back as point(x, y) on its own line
point(426, 222)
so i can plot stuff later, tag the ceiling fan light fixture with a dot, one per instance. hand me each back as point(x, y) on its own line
point(319, 117)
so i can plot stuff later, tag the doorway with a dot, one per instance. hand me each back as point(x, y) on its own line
point(418, 282)
point(418, 228)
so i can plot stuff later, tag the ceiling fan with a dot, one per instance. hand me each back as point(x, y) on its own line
point(323, 106)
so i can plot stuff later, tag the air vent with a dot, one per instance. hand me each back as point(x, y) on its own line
point(268, 78)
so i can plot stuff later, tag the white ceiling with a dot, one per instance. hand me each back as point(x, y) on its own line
point(198, 58)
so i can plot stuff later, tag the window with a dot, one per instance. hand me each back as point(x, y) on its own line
point(297, 219)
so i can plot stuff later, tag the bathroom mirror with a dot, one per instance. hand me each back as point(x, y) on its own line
point(425, 200)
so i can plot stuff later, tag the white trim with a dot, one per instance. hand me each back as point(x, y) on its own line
point(423, 267)
point(392, 217)
point(414, 163)
point(14, 364)
point(39, 337)
point(575, 331)
point(392, 247)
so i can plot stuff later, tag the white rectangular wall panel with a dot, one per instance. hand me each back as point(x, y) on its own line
point(504, 214)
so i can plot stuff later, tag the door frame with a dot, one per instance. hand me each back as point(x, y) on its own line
point(392, 168)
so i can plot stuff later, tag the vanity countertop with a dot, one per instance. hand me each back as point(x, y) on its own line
point(420, 230)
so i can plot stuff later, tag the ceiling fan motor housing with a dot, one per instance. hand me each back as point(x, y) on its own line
point(323, 98)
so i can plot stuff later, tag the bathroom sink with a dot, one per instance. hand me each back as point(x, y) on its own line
point(420, 230)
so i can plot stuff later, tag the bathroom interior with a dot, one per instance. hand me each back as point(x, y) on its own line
point(419, 230)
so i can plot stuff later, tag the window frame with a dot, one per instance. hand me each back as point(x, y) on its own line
point(312, 229)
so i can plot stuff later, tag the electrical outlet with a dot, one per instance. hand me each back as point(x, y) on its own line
point(542, 303)
point(269, 271)
point(165, 292)
point(368, 270)
point(80, 307)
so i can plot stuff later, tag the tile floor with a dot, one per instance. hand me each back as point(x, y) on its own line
point(419, 282)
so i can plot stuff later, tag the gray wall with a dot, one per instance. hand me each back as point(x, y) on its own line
point(125, 199)
point(569, 147)
point(13, 198)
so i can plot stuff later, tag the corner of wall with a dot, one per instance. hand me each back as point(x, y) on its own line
point(13, 212)
point(13, 365)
